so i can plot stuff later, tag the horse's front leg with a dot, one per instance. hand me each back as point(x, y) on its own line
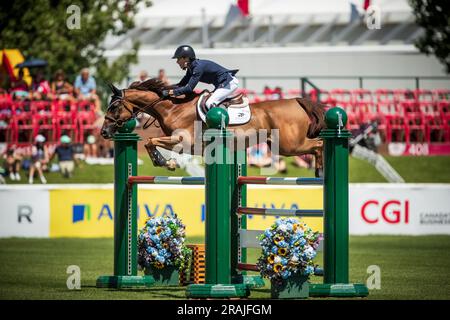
point(168, 142)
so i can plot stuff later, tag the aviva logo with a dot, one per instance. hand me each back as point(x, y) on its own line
point(81, 212)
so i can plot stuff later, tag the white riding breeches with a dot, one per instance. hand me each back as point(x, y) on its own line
point(221, 94)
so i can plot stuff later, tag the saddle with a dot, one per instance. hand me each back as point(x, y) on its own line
point(237, 106)
point(236, 101)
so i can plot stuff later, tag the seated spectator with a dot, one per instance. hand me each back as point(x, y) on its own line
point(304, 161)
point(40, 89)
point(85, 89)
point(62, 89)
point(90, 148)
point(39, 159)
point(105, 148)
point(143, 75)
point(258, 156)
point(277, 93)
point(19, 88)
point(12, 164)
point(66, 159)
point(162, 76)
point(267, 92)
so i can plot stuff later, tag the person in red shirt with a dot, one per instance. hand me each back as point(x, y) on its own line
point(40, 88)
point(19, 87)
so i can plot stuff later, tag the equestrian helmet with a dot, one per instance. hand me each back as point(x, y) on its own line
point(184, 51)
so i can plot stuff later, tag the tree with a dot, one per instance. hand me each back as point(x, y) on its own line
point(434, 17)
point(48, 29)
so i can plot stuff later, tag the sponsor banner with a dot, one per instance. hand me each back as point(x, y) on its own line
point(408, 209)
point(89, 212)
point(24, 212)
point(419, 149)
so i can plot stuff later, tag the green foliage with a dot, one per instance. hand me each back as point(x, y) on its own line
point(434, 17)
point(39, 28)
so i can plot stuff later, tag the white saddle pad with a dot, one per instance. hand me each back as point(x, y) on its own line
point(238, 114)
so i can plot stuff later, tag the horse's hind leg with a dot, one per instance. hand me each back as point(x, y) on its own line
point(168, 142)
point(315, 147)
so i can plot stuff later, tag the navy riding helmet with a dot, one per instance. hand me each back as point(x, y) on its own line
point(184, 51)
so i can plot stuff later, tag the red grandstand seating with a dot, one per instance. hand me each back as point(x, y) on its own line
point(395, 127)
point(423, 95)
point(64, 113)
point(434, 124)
point(353, 121)
point(386, 107)
point(401, 95)
point(441, 95)
point(444, 109)
point(415, 126)
point(342, 98)
point(384, 96)
point(325, 97)
point(410, 107)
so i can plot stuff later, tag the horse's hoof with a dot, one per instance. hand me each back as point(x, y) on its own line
point(319, 173)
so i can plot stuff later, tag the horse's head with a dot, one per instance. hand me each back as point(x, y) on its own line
point(126, 104)
point(118, 113)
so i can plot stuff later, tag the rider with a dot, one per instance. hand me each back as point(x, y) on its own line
point(206, 71)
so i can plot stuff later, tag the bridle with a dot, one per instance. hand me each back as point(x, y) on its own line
point(119, 123)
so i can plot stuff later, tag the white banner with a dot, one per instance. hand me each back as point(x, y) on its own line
point(24, 212)
point(403, 209)
point(408, 209)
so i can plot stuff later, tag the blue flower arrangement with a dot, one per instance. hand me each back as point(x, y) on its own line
point(161, 243)
point(288, 247)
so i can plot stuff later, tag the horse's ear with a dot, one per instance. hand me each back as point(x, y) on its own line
point(116, 91)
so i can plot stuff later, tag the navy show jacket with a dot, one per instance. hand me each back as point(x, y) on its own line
point(203, 71)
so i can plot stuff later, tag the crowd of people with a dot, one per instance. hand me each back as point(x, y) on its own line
point(63, 157)
point(84, 88)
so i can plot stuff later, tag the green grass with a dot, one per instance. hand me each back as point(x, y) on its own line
point(411, 268)
point(412, 169)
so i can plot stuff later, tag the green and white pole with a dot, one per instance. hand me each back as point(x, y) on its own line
point(336, 225)
point(219, 160)
point(125, 214)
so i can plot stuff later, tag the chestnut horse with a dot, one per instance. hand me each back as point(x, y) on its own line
point(299, 121)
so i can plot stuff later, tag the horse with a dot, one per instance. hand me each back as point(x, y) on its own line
point(299, 121)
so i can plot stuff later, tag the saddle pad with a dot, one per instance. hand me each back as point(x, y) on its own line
point(237, 115)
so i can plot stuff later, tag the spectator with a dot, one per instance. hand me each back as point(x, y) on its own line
point(39, 159)
point(258, 156)
point(143, 75)
point(304, 161)
point(267, 92)
point(12, 164)
point(66, 157)
point(85, 89)
point(277, 93)
point(40, 89)
point(62, 89)
point(19, 88)
point(90, 148)
point(162, 76)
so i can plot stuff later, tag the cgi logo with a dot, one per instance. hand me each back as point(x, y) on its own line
point(390, 211)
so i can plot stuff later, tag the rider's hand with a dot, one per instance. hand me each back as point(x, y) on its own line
point(167, 93)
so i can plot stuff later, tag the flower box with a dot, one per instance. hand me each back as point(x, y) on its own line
point(167, 276)
point(294, 287)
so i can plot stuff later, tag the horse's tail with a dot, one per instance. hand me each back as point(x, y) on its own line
point(316, 113)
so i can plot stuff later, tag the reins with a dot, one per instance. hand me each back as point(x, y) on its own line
point(119, 123)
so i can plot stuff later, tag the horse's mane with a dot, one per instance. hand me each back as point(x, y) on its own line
point(153, 84)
